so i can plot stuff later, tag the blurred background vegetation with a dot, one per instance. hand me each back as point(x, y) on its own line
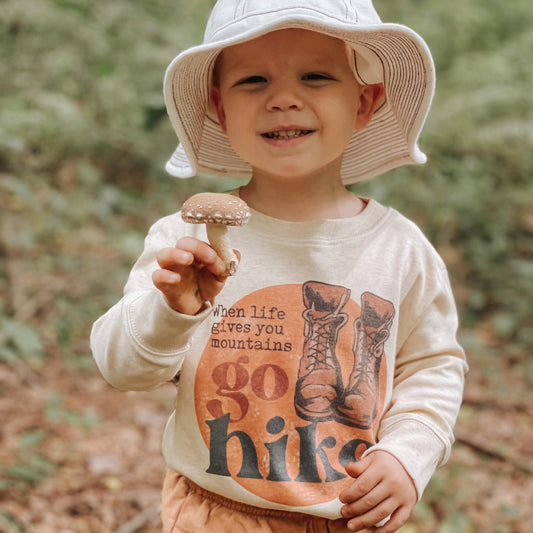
point(84, 138)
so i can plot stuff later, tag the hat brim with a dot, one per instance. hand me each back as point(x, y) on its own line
point(390, 139)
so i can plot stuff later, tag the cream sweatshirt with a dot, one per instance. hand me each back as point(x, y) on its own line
point(335, 338)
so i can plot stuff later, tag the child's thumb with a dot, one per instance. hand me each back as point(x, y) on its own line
point(356, 468)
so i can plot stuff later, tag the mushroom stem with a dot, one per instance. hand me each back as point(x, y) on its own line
point(219, 239)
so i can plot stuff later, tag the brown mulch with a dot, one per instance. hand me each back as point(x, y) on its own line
point(80, 457)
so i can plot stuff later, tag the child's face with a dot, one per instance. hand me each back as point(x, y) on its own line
point(289, 102)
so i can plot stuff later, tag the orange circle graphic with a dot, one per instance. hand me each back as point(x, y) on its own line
point(270, 392)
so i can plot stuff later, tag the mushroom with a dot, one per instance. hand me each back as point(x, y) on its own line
point(217, 211)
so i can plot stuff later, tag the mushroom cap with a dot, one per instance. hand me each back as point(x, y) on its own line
point(215, 208)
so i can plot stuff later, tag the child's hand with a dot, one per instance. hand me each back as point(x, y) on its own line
point(191, 274)
point(382, 488)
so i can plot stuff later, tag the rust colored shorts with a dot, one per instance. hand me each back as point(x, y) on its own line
point(187, 508)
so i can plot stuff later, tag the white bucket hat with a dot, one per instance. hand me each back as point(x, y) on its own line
point(386, 53)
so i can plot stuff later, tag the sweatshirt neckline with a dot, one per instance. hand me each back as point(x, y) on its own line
point(321, 229)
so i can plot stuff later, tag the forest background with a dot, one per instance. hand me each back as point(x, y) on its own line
point(83, 141)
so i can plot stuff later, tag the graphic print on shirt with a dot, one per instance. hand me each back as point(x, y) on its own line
point(290, 387)
point(320, 392)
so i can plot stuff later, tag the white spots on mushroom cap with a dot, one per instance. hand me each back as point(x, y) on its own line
point(215, 208)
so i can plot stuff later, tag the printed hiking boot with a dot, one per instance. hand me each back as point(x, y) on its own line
point(361, 398)
point(319, 386)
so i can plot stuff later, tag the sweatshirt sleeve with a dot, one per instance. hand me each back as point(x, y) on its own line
point(141, 342)
point(428, 382)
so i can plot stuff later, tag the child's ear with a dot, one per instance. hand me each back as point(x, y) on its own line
point(371, 98)
point(216, 100)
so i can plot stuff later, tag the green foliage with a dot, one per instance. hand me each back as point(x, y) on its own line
point(31, 467)
point(457, 523)
point(55, 412)
point(84, 138)
point(10, 523)
point(19, 340)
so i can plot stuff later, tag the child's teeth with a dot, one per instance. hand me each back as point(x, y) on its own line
point(285, 134)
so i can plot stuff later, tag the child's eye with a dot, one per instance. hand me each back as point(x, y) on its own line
point(316, 76)
point(250, 80)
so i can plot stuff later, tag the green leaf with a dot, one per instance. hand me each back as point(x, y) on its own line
point(456, 522)
point(20, 339)
point(12, 524)
point(53, 409)
point(23, 472)
point(32, 438)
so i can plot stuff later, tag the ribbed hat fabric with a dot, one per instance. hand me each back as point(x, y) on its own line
point(384, 52)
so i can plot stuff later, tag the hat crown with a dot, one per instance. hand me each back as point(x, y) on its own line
point(230, 18)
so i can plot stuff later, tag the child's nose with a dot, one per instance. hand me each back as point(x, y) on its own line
point(284, 97)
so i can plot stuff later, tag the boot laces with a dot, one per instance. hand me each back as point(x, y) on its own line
point(321, 346)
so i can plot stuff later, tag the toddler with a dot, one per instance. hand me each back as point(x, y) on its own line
point(318, 387)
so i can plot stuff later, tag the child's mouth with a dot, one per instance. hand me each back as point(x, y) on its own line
point(286, 134)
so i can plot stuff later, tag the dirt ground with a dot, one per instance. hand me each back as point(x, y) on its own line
point(81, 457)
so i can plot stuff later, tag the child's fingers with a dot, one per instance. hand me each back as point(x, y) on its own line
point(366, 502)
point(173, 258)
point(190, 274)
point(175, 285)
point(397, 520)
point(366, 479)
point(200, 249)
point(203, 254)
point(381, 488)
point(163, 278)
point(372, 516)
point(355, 469)
point(180, 289)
